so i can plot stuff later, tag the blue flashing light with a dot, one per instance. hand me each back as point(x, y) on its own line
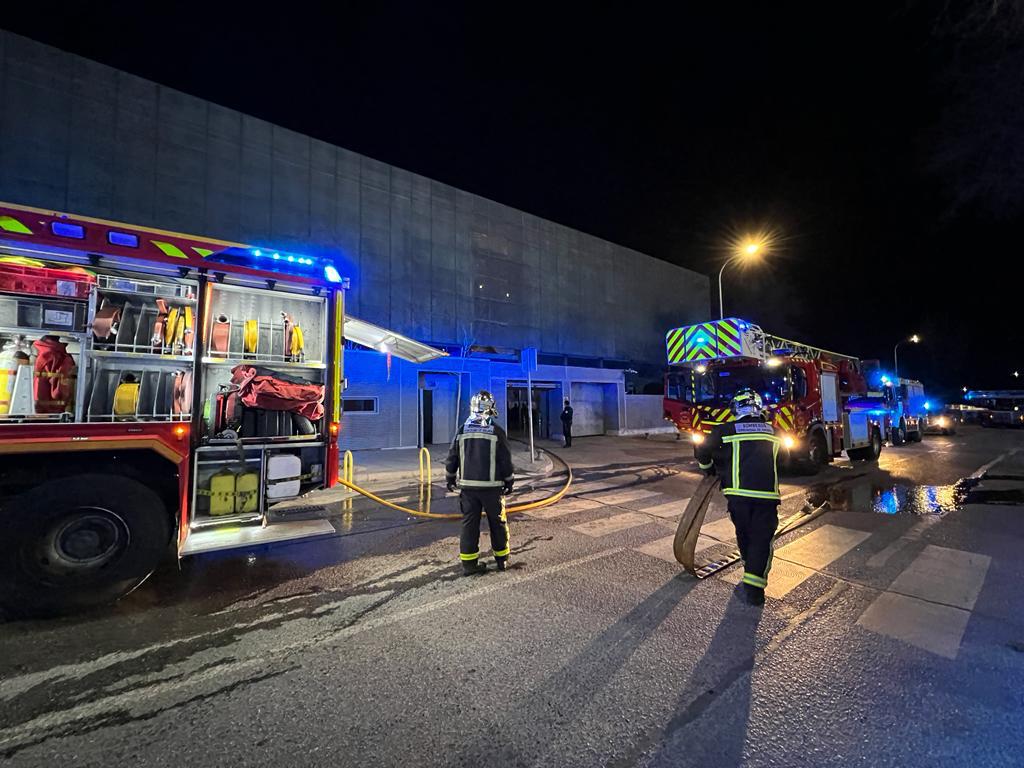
point(278, 261)
point(724, 373)
point(701, 340)
point(927, 405)
point(64, 229)
point(123, 239)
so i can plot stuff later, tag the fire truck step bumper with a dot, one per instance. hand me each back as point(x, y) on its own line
point(237, 537)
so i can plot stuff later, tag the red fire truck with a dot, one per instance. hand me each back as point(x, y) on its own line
point(159, 394)
point(813, 395)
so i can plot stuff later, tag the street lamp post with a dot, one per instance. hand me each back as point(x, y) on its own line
point(895, 361)
point(748, 250)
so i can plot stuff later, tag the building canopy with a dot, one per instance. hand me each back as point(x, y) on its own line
point(383, 340)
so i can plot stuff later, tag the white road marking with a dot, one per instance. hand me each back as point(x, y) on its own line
point(622, 497)
point(935, 628)
point(669, 509)
point(798, 561)
point(882, 557)
point(721, 529)
point(986, 467)
point(613, 524)
point(941, 575)
point(594, 486)
point(563, 507)
point(928, 605)
point(661, 549)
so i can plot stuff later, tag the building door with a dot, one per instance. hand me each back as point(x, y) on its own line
point(426, 416)
point(595, 409)
point(517, 410)
point(438, 408)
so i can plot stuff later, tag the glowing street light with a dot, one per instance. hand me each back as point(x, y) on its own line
point(895, 362)
point(1016, 374)
point(746, 250)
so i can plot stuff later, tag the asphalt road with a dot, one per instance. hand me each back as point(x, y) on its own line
point(893, 635)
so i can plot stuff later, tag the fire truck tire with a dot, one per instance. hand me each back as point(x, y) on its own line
point(899, 435)
point(871, 452)
point(77, 542)
point(918, 434)
point(817, 454)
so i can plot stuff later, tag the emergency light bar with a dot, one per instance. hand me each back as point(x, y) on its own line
point(282, 262)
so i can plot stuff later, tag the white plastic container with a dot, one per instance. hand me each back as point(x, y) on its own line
point(283, 472)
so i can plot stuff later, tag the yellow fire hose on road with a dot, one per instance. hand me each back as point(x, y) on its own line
point(347, 482)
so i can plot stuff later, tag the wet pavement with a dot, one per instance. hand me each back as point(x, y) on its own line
point(893, 633)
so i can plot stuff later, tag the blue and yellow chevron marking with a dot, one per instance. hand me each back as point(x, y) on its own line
point(704, 341)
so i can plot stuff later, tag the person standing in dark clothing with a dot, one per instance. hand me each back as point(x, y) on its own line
point(567, 423)
point(744, 454)
point(480, 465)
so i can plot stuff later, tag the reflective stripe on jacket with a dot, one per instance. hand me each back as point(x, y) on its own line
point(481, 456)
point(745, 454)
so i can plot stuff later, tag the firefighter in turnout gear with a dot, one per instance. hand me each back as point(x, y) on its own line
point(744, 454)
point(480, 465)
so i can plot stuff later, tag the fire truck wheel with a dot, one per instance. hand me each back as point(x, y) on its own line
point(818, 452)
point(873, 451)
point(870, 452)
point(80, 541)
point(917, 435)
point(899, 435)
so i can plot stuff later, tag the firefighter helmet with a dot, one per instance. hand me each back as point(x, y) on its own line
point(482, 407)
point(747, 402)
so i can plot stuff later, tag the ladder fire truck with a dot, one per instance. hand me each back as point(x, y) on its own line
point(160, 394)
point(815, 398)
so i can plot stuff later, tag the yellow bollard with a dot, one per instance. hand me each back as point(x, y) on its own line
point(348, 468)
point(424, 466)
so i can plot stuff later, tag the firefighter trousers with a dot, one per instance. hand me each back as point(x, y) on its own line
point(473, 502)
point(755, 521)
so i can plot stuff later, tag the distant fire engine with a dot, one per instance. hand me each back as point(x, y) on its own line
point(816, 399)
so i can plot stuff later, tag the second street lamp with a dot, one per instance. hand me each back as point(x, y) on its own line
point(747, 250)
point(895, 361)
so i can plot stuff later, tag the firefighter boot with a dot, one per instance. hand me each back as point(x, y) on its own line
point(501, 563)
point(753, 595)
point(473, 567)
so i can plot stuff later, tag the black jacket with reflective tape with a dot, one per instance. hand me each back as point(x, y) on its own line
point(481, 456)
point(745, 456)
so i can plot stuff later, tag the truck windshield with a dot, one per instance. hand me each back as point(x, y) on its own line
point(719, 386)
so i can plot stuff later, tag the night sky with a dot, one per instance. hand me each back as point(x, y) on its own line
point(884, 146)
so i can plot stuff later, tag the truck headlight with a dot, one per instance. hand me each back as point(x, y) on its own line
point(943, 421)
point(697, 437)
point(788, 441)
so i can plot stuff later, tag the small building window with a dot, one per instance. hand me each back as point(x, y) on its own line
point(365, 405)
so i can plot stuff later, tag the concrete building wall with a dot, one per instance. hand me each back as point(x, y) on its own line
point(426, 259)
point(645, 413)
